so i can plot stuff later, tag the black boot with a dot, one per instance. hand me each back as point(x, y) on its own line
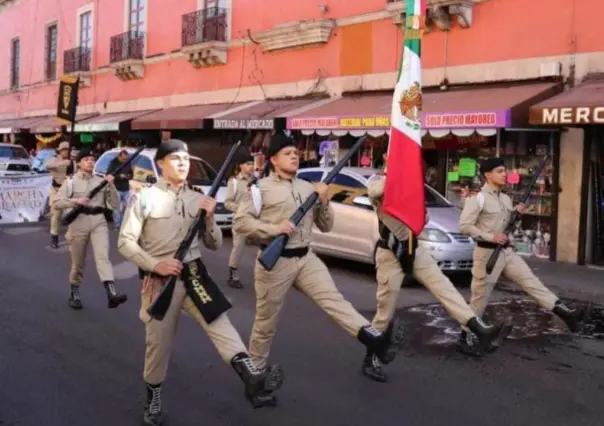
point(114, 299)
point(54, 241)
point(575, 319)
point(383, 345)
point(490, 337)
point(234, 278)
point(372, 368)
point(259, 385)
point(152, 415)
point(467, 345)
point(74, 299)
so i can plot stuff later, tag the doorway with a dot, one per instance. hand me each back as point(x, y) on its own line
point(594, 241)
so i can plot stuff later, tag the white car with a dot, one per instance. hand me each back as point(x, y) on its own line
point(355, 231)
point(145, 172)
point(14, 159)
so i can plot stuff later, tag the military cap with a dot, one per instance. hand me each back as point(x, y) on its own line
point(169, 147)
point(63, 145)
point(278, 142)
point(83, 153)
point(489, 164)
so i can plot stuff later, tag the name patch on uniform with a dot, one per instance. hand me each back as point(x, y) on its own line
point(203, 291)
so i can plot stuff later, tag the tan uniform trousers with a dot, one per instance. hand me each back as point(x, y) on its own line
point(87, 228)
point(426, 271)
point(238, 245)
point(514, 268)
point(160, 334)
point(310, 276)
point(55, 214)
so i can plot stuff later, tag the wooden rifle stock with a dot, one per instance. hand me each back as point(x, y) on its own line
point(77, 210)
point(509, 227)
point(271, 254)
point(160, 305)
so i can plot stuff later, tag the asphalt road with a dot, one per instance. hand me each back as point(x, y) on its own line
point(60, 367)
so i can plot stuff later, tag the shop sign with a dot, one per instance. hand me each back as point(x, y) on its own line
point(244, 124)
point(460, 120)
point(335, 122)
point(567, 115)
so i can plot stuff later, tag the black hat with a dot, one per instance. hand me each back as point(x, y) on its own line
point(278, 142)
point(489, 164)
point(83, 153)
point(170, 146)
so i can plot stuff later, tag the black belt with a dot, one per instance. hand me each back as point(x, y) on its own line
point(91, 211)
point(488, 245)
point(290, 253)
point(55, 184)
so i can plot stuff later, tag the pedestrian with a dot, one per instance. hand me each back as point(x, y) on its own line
point(60, 167)
point(237, 186)
point(155, 223)
point(484, 218)
point(264, 214)
point(397, 256)
point(89, 226)
point(122, 184)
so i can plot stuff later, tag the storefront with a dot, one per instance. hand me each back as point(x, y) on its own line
point(580, 112)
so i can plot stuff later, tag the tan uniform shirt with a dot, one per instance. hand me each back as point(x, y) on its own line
point(481, 223)
point(156, 222)
point(279, 200)
point(57, 167)
point(80, 186)
point(375, 190)
point(235, 192)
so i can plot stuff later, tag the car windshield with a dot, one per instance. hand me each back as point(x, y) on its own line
point(13, 152)
point(434, 199)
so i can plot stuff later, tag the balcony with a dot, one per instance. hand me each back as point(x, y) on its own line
point(440, 13)
point(78, 61)
point(204, 37)
point(126, 53)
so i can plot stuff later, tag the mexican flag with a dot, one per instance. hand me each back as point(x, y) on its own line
point(404, 196)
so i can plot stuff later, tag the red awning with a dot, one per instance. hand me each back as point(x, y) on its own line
point(19, 125)
point(260, 114)
point(112, 122)
point(185, 117)
point(52, 125)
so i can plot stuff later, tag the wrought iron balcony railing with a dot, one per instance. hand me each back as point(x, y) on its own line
point(204, 25)
point(76, 60)
point(129, 45)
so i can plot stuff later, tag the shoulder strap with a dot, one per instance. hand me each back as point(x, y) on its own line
point(234, 183)
point(480, 200)
point(256, 198)
point(70, 187)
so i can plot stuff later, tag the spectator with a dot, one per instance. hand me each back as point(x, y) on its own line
point(122, 184)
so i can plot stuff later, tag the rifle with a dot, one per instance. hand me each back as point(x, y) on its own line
point(160, 305)
point(271, 254)
point(509, 226)
point(75, 212)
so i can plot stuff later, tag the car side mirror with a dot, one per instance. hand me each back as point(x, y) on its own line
point(362, 201)
point(151, 179)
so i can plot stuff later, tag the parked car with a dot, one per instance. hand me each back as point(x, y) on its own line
point(355, 231)
point(14, 159)
point(39, 161)
point(146, 172)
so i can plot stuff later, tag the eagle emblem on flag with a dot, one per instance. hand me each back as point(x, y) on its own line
point(410, 102)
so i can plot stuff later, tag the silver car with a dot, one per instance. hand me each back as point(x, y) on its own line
point(355, 233)
point(14, 159)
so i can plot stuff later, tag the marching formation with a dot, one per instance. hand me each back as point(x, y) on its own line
point(165, 225)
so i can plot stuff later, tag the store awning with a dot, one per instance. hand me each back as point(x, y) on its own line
point(582, 105)
point(482, 109)
point(260, 114)
point(52, 125)
point(185, 117)
point(112, 122)
point(19, 125)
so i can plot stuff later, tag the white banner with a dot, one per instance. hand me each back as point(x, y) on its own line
point(23, 198)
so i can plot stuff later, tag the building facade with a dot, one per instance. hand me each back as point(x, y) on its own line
point(322, 69)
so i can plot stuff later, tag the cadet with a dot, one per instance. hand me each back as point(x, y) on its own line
point(264, 214)
point(238, 186)
point(90, 225)
point(155, 223)
point(60, 166)
point(398, 256)
point(484, 218)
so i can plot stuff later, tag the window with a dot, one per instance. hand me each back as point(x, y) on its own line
point(345, 180)
point(434, 199)
point(344, 189)
point(14, 65)
point(85, 31)
point(311, 177)
point(103, 162)
point(14, 152)
point(142, 169)
point(137, 17)
point(51, 52)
